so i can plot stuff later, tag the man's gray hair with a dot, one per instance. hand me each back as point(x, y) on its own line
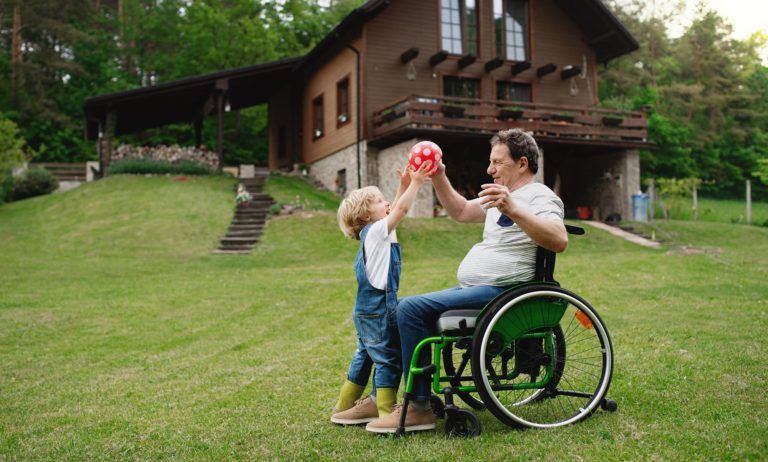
point(520, 144)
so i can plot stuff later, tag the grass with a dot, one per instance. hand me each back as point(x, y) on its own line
point(122, 337)
point(717, 210)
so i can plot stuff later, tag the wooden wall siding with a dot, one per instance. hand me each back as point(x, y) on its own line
point(323, 81)
point(402, 25)
point(554, 38)
point(558, 40)
point(281, 113)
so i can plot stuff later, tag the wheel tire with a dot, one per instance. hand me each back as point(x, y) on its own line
point(462, 423)
point(583, 358)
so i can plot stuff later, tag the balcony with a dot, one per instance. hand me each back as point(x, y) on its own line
point(550, 122)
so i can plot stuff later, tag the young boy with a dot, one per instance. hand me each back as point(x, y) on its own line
point(366, 216)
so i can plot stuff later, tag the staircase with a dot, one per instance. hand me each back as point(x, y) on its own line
point(249, 220)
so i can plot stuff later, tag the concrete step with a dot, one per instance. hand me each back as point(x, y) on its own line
point(238, 240)
point(255, 233)
point(247, 251)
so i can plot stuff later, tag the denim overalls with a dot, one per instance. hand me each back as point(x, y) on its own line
point(375, 317)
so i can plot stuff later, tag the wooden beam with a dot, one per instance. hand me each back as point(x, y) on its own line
point(520, 67)
point(493, 64)
point(570, 71)
point(409, 55)
point(546, 69)
point(467, 60)
point(438, 58)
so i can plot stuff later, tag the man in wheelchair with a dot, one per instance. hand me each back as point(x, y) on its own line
point(519, 215)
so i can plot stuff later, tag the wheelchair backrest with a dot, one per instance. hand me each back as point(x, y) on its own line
point(545, 259)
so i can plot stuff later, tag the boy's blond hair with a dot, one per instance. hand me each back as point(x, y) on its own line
point(355, 209)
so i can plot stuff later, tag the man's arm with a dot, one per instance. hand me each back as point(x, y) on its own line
point(547, 233)
point(457, 206)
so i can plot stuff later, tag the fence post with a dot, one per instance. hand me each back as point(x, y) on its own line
point(749, 202)
point(651, 199)
point(695, 203)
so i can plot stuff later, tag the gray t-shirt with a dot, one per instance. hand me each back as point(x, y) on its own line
point(506, 254)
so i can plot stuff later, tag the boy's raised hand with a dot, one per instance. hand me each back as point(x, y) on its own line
point(422, 174)
point(405, 176)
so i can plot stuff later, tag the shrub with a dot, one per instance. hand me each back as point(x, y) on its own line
point(34, 182)
point(6, 189)
point(157, 167)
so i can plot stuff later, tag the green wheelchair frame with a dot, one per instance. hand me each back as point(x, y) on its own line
point(522, 367)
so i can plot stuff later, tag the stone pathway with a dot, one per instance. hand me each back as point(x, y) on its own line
point(625, 234)
point(249, 220)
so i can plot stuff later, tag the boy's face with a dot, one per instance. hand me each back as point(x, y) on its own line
point(379, 208)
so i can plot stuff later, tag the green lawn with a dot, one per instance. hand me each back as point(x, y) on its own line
point(123, 337)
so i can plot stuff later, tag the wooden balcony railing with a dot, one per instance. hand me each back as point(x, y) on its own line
point(577, 123)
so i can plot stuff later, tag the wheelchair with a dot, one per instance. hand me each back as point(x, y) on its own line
point(536, 356)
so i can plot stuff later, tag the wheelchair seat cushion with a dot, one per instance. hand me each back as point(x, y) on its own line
point(450, 322)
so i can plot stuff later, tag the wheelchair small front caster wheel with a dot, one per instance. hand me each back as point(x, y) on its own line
point(438, 408)
point(461, 422)
point(609, 405)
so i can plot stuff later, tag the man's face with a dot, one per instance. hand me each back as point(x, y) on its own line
point(503, 169)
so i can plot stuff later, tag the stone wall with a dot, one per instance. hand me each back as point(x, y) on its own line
point(389, 160)
point(378, 168)
point(171, 154)
point(326, 170)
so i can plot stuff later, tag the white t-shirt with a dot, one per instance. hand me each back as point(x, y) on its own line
point(506, 254)
point(377, 253)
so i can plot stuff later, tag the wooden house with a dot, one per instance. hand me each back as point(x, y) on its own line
point(395, 72)
point(455, 72)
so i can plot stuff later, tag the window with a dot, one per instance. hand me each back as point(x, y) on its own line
point(317, 118)
point(510, 19)
point(341, 181)
point(342, 102)
point(511, 91)
point(458, 86)
point(458, 26)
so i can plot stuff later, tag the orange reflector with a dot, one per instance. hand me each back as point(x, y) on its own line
point(584, 319)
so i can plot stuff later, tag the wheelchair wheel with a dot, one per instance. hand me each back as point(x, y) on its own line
point(541, 357)
point(461, 422)
point(456, 362)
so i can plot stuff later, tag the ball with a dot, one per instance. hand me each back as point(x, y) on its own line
point(424, 151)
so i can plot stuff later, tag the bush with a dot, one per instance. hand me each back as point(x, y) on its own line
point(6, 189)
point(157, 167)
point(34, 182)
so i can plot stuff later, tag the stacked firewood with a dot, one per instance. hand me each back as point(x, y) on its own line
point(172, 154)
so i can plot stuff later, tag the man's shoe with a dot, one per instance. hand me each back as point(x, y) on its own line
point(414, 421)
point(363, 411)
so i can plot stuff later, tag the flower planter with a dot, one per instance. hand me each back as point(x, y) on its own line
point(453, 111)
point(612, 121)
point(563, 118)
point(506, 114)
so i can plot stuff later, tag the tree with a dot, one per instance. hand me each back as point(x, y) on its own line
point(12, 152)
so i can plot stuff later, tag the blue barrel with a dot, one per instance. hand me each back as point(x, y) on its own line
point(640, 207)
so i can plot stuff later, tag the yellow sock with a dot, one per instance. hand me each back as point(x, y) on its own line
point(349, 393)
point(385, 399)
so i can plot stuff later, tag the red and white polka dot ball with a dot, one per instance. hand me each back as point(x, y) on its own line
point(423, 151)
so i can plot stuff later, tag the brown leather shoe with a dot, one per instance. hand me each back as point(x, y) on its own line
point(414, 421)
point(363, 411)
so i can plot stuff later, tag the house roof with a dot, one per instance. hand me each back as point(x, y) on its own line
point(602, 30)
point(188, 99)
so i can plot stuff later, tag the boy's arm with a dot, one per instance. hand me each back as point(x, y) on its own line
point(399, 210)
